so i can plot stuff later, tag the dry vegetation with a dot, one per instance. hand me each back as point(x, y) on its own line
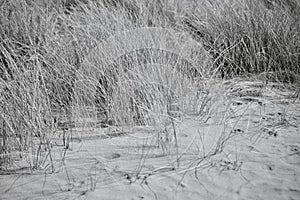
point(70, 64)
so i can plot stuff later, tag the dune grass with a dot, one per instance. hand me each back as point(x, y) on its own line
point(250, 37)
point(60, 56)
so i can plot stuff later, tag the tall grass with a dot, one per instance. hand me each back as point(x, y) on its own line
point(250, 37)
point(57, 56)
point(36, 76)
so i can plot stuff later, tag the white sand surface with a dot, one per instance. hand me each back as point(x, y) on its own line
point(249, 148)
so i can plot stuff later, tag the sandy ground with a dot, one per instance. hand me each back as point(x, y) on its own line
point(249, 148)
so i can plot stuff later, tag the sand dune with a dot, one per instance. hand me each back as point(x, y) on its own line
point(251, 151)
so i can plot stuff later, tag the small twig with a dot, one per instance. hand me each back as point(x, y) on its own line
point(176, 142)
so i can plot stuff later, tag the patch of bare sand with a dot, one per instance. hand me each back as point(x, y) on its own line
point(248, 149)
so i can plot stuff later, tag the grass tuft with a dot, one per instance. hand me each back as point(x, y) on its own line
point(133, 63)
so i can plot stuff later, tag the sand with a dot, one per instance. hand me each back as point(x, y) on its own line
point(248, 148)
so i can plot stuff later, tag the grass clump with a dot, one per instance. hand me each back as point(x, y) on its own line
point(249, 37)
point(134, 62)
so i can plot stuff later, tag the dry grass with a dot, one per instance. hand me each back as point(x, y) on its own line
point(135, 63)
point(249, 37)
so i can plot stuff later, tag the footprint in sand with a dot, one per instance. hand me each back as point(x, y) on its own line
point(113, 156)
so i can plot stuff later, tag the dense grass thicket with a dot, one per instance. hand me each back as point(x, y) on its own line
point(58, 58)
